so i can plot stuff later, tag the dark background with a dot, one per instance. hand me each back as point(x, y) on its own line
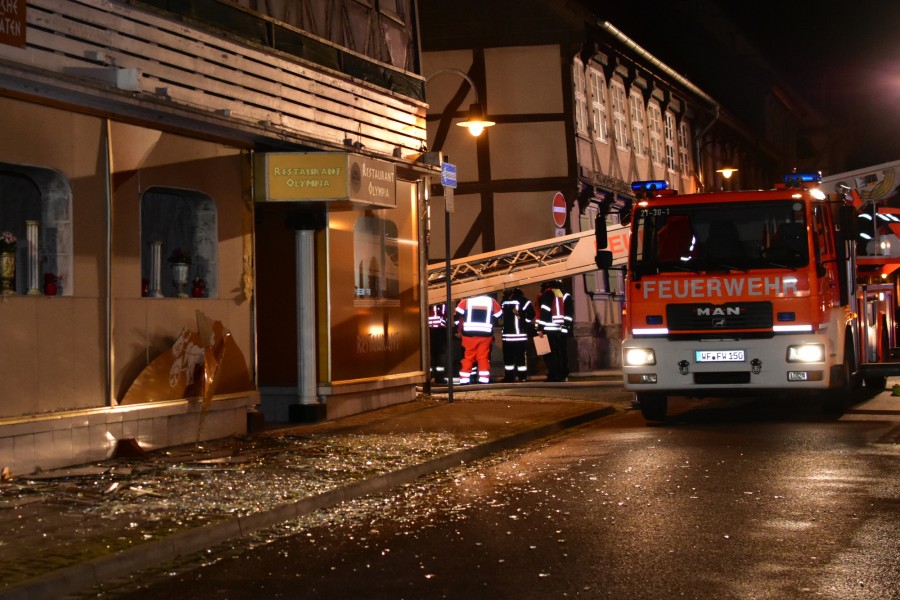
point(839, 59)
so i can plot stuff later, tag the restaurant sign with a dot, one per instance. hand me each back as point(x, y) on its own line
point(12, 23)
point(325, 176)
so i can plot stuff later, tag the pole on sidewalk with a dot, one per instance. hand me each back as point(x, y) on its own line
point(451, 313)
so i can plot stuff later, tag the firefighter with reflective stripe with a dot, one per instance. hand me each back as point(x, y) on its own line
point(476, 318)
point(437, 336)
point(555, 320)
point(516, 327)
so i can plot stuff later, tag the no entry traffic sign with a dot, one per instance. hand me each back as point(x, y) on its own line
point(559, 209)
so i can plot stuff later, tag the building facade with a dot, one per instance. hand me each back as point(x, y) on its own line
point(212, 219)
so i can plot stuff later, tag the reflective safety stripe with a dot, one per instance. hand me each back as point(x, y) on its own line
point(437, 316)
point(517, 337)
point(478, 315)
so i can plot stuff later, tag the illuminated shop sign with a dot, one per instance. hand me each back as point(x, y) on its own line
point(326, 176)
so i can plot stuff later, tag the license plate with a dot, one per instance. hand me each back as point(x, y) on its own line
point(719, 355)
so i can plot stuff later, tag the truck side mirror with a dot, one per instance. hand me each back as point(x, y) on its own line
point(600, 234)
point(604, 259)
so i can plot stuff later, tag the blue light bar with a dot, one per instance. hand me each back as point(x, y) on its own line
point(649, 186)
point(794, 179)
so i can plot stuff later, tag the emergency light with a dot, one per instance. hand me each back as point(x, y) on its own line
point(795, 180)
point(649, 186)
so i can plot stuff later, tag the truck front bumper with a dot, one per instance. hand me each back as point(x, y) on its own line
point(728, 366)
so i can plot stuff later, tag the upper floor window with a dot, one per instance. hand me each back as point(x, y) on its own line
point(598, 104)
point(654, 119)
point(620, 117)
point(36, 210)
point(581, 124)
point(671, 161)
point(638, 127)
point(684, 155)
point(178, 227)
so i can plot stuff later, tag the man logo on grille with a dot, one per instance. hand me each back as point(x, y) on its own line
point(718, 311)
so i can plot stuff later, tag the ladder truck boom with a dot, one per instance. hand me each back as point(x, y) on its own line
point(552, 258)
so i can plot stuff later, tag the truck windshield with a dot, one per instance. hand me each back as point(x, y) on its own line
point(720, 237)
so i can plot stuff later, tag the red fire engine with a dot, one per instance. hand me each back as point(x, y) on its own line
point(752, 292)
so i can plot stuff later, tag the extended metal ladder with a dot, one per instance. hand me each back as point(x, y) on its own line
point(553, 258)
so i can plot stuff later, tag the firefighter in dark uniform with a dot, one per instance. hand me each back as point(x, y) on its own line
point(556, 312)
point(437, 336)
point(517, 326)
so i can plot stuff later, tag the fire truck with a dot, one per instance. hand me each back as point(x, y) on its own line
point(756, 293)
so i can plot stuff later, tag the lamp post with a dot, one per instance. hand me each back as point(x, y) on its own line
point(476, 123)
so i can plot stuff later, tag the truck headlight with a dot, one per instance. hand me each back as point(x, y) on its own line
point(639, 357)
point(806, 353)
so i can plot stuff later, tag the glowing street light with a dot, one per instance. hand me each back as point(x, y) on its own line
point(475, 122)
point(727, 172)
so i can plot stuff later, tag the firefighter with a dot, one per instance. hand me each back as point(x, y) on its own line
point(517, 325)
point(437, 336)
point(555, 320)
point(476, 318)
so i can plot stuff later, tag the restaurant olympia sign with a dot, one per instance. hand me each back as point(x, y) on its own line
point(325, 176)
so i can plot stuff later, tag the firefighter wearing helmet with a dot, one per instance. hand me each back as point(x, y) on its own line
point(437, 332)
point(517, 327)
point(555, 319)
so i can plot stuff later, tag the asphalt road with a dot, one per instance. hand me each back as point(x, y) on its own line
point(727, 500)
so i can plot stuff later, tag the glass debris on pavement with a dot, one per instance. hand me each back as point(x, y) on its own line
point(57, 518)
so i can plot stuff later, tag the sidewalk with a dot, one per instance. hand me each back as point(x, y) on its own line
point(71, 529)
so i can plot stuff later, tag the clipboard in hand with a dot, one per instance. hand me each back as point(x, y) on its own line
point(541, 345)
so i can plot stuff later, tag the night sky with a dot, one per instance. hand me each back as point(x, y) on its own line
point(843, 58)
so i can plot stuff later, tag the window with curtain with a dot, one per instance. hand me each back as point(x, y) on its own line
point(43, 197)
point(183, 225)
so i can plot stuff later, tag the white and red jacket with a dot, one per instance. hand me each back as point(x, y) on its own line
point(476, 315)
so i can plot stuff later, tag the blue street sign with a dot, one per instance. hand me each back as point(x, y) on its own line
point(448, 175)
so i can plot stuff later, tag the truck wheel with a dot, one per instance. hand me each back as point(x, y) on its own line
point(653, 405)
point(856, 378)
point(835, 398)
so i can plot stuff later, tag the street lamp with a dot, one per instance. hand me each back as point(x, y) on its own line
point(476, 124)
point(726, 171)
point(475, 121)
